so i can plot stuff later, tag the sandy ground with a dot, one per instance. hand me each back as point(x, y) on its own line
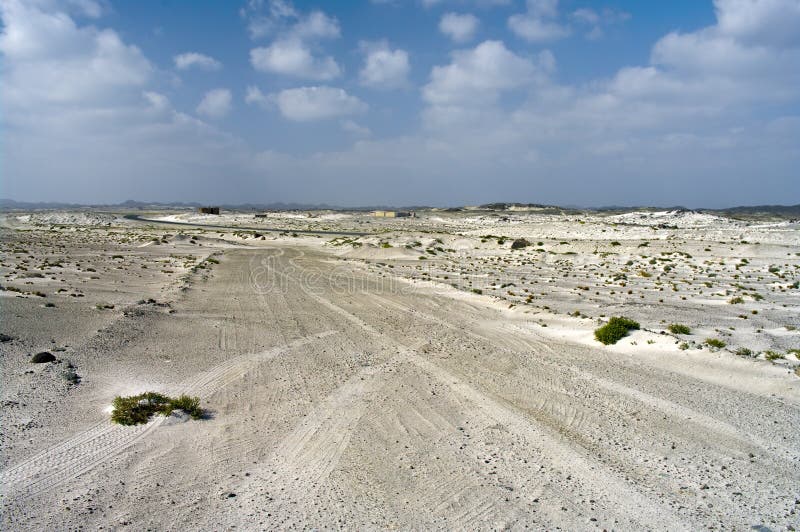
point(350, 384)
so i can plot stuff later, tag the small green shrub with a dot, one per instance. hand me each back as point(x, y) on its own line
point(684, 346)
point(677, 328)
point(744, 352)
point(715, 343)
point(137, 409)
point(736, 300)
point(616, 329)
point(773, 355)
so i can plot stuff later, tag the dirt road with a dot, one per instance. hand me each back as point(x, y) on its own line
point(342, 399)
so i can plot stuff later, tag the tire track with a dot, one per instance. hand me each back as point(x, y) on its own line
point(542, 437)
point(96, 445)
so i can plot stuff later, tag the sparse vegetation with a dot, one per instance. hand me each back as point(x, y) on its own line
point(616, 329)
point(137, 409)
point(677, 328)
point(715, 343)
point(773, 355)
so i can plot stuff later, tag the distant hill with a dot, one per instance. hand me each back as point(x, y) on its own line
point(11, 205)
point(754, 211)
point(790, 211)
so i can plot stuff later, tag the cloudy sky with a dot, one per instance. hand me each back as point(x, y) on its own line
point(439, 102)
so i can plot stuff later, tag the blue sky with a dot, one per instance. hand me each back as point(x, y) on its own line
point(401, 102)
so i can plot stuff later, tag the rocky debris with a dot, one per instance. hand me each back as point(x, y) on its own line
point(43, 358)
point(5, 338)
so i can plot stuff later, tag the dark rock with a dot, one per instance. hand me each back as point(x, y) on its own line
point(5, 338)
point(520, 243)
point(43, 357)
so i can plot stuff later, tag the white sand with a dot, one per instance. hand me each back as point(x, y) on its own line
point(352, 385)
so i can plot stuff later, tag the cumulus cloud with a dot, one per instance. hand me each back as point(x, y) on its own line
point(539, 23)
point(316, 25)
point(460, 28)
point(281, 17)
point(384, 68)
point(478, 75)
point(93, 64)
point(294, 51)
point(189, 60)
point(293, 57)
point(215, 104)
point(305, 104)
point(767, 22)
point(83, 120)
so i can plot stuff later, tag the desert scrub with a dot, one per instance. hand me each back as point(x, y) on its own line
point(677, 328)
point(736, 300)
point(616, 329)
point(744, 352)
point(773, 355)
point(715, 343)
point(137, 409)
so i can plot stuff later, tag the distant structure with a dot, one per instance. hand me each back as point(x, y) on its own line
point(208, 210)
point(393, 214)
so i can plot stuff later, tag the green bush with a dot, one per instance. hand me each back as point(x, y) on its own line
point(137, 409)
point(773, 355)
point(715, 342)
point(677, 328)
point(616, 329)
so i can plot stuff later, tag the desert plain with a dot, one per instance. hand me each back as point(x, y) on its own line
point(435, 372)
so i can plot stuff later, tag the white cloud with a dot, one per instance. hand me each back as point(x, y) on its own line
point(255, 96)
point(478, 75)
point(294, 52)
point(83, 119)
point(766, 22)
point(586, 15)
point(92, 65)
point(294, 58)
point(317, 25)
point(189, 60)
point(158, 102)
point(306, 104)
point(459, 28)
point(538, 24)
point(215, 104)
point(355, 129)
point(384, 68)
point(281, 17)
